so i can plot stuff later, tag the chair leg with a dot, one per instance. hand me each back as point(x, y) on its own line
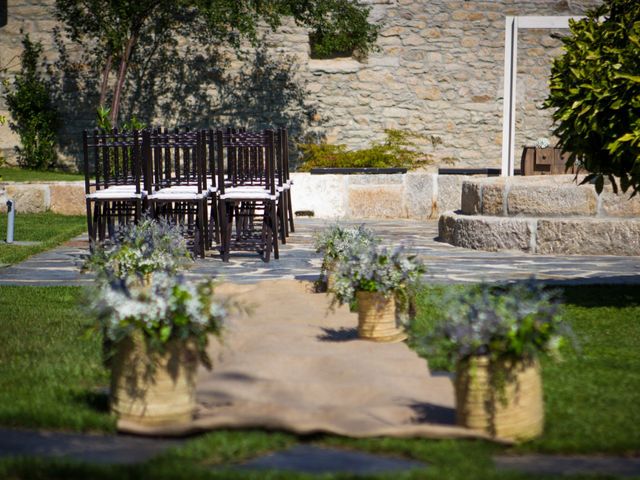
point(224, 231)
point(90, 230)
point(201, 227)
point(204, 225)
point(214, 223)
point(274, 230)
point(102, 216)
point(292, 228)
point(281, 210)
point(266, 237)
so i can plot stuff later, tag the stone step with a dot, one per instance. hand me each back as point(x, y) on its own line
point(544, 196)
point(542, 235)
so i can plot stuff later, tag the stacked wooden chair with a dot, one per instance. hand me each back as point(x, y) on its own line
point(176, 182)
point(114, 196)
point(229, 189)
point(247, 194)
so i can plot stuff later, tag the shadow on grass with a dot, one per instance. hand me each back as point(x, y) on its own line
point(97, 400)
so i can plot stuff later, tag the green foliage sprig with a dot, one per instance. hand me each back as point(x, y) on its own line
point(103, 121)
point(3, 120)
point(399, 149)
point(167, 308)
point(33, 115)
point(370, 268)
point(595, 89)
point(140, 250)
point(336, 243)
point(340, 28)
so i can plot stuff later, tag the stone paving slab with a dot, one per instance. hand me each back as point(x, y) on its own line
point(106, 449)
point(445, 263)
point(320, 460)
point(569, 465)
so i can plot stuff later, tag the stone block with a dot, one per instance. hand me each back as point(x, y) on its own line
point(588, 236)
point(420, 195)
point(493, 199)
point(620, 205)
point(29, 197)
point(550, 200)
point(67, 198)
point(450, 192)
point(343, 65)
point(325, 195)
point(471, 198)
point(376, 179)
point(486, 233)
point(376, 201)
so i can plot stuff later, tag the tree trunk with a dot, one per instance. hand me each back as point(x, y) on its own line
point(122, 73)
point(105, 80)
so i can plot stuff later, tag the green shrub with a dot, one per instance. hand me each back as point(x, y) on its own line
point(399, 149)
point(595, 89)
point(341, 28)
point(33, 116)
point(103, 121)
point(3, 120)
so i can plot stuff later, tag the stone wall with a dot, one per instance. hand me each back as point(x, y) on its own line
point(439, 71)
point(65, 198)
point(414, 195)
point(420, 196)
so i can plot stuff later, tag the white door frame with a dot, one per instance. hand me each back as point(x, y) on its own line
point(512, 24)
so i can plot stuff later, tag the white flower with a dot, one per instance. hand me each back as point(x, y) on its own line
point(542, 142)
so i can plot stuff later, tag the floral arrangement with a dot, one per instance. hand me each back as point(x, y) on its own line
point(337, 242)
point(139, 250)
point(516, 321)
point(373, 269)
point(166, 309)
point(542, 142)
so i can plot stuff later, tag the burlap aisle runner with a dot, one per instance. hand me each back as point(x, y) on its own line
point(292, 365)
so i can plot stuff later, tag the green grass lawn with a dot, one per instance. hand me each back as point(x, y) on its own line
point(51, 377)
point(12, 174)
point(48, 228)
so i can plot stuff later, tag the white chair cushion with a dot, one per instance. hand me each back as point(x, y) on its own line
point(115, 193)
point(245, 194)
point(177, 193)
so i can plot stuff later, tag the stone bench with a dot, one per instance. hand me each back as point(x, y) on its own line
point(546, 215)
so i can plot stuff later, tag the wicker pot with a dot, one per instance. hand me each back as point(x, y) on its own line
point(153, 389)
point(377, 318)
point(502, 398)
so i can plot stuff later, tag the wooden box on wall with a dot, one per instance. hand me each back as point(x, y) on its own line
point(544, 161)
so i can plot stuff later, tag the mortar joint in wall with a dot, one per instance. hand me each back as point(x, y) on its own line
point(505, 196)
point(533, 239)
point(599, 212)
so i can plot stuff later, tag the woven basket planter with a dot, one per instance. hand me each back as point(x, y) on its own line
point(503, 398)
point(377, 318)
point(153, 390)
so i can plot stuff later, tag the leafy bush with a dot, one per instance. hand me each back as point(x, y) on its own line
point(340, 27)
point(595, 87)
point(33, 115)
point(103, 121)
point(3, 120)
point(399, 149)
point(506, 322)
